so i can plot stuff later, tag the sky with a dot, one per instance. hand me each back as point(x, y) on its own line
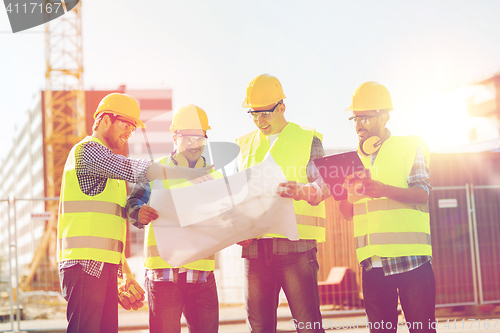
point(427, 53)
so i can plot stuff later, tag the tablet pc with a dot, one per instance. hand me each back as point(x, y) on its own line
point(335, 168)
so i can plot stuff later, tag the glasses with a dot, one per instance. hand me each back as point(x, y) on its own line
point(265, 114)
point(362, 120)
point(125, 124)
point(190, 139)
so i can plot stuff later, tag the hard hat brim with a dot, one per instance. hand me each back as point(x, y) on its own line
point(245, 104)
point(359, 110)
point(136, 121)
point(174, 128)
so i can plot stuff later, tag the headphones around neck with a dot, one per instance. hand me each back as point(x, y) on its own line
point(183, 162)
point(372, 144)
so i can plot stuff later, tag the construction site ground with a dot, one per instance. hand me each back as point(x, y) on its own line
point(232, 320)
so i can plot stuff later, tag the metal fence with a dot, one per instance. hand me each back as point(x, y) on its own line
point(452, 240)
point(25, 232)
point(485, 203)
point(7, 282)
point(465, 226)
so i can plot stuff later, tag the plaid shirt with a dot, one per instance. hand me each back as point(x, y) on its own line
point(140, 196)
point(284, 246)
point(419, 176)
point(96, 163)
point(172, 275)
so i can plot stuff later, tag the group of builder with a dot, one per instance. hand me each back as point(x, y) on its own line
point(390, 219)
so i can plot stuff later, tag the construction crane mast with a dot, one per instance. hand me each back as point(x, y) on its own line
point(64, 104)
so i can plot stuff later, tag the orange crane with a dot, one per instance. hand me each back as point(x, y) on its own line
point(64, 118)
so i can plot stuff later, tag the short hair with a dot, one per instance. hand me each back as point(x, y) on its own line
point(97, 120)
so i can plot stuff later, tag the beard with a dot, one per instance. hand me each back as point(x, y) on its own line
point(114, 139)
point(370, 133)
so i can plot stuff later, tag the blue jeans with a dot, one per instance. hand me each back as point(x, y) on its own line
point(168, 300)
point(417, 293)
point(92, 302)
point(297, 274)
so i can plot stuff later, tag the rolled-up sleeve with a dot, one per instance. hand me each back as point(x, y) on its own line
point(313, 175)
point(139, 196)
point(420, 173)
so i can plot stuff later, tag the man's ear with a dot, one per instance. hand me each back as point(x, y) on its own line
point(282, 107)
point(174, 137)
point(101, 122)
point(106, 120)
point(385, 118)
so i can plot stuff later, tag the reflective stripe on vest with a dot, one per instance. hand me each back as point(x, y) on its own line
point(310, 220)
point(152, 259)
point(393, 238)
point(93, 207)
point(385, 204)
point(385, 227)
point(291, 151)
point(90, 227)
point(90, 241)
point(152, 251)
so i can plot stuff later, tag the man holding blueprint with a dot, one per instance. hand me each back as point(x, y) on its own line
point(191, 288)
point(274, 262)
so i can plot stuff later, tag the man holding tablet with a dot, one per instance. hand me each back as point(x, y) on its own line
point(391, 217)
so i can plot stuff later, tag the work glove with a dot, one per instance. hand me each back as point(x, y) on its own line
point(131, 297)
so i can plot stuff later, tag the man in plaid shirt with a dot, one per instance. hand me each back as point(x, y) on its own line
point(389, 209)
point(92, 225)
point(190, 289)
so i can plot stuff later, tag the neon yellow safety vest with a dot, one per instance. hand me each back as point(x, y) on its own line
point(152, 259)
point(291, 151)
point(90, 227)
point(385, 227)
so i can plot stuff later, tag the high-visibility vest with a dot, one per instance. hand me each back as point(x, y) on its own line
point(385, 227)
point(152, 259)
point(291, 151)
point(90, 227)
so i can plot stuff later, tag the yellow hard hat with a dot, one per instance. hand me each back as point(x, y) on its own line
point(262, 91)
point(189, 117)
point(370, 95)
point(123, 105)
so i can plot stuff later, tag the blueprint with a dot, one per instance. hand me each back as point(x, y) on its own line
point(199, 220)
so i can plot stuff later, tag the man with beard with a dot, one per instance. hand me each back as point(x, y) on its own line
point(92, 225)
point(389, 209)
point(191, 288)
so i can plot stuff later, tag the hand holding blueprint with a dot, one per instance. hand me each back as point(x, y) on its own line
point(197, 221)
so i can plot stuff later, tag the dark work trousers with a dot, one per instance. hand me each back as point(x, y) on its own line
point(417, 293)
point(92, 302)
point(297, 275)
point(198, 301)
